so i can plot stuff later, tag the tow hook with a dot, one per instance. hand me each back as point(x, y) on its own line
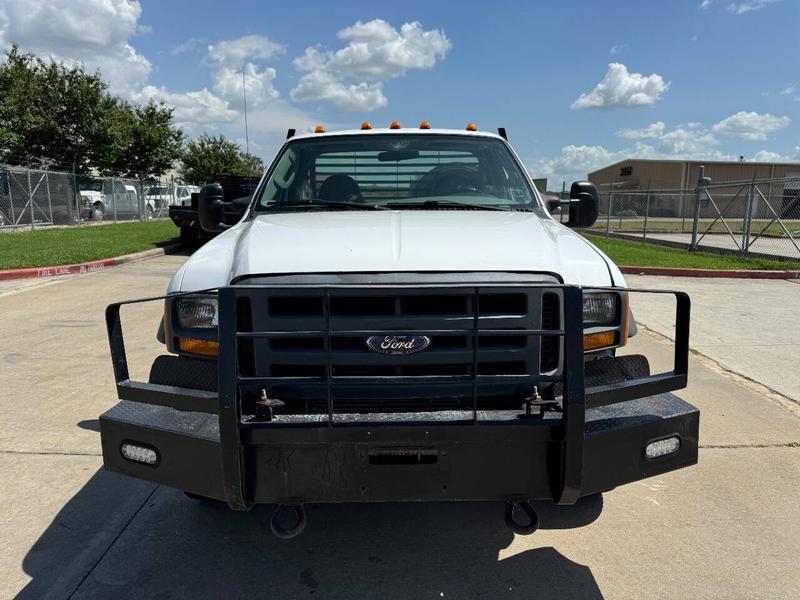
point(288, 512)
point(512, 510)
point(265, 407)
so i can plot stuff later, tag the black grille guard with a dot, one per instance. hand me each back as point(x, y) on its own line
point(576, 399)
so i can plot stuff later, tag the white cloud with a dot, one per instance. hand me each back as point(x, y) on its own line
point(690, 141)
point(751, 125)
point(377, 51)
point(191, 108)
point(741, 8)
point(321, 85)
point(229, 84)
point(738, 8)
point(190, 45)
point(788, 90)
point(654, 130)
point(234, 53)
point(769, 156)
point(616, 49)
point(95, 33)
point(351, 77)
point(574, 162)
point(620, 88)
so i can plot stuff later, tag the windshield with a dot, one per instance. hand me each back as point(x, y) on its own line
point(397, 171)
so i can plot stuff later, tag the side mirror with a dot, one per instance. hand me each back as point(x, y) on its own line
point(210, 207)
point(583, 203)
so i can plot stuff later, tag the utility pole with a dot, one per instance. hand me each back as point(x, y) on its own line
point(244, 96)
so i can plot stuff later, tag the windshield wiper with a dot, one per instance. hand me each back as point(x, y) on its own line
point(433, 204)
point(317, 202)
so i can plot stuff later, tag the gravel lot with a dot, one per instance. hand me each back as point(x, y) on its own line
point(727, 527)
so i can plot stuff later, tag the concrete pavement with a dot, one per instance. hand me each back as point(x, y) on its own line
point(748, 326)
point(725, 528)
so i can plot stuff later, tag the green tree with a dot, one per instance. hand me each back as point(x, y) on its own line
point(252, 165)
point(143, 141)
point(60, 116)
point(208, 156)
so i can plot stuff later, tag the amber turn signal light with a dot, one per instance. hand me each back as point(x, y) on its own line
point(200, 347)
point(595, 341)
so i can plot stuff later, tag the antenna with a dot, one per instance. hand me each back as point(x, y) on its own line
point(244, 95)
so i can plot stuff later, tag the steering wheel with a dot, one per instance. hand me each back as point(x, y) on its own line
point(447, 180)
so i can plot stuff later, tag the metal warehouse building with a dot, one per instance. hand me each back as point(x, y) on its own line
point(639, 174)
point(630, 176)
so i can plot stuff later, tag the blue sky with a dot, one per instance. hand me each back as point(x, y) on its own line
point(577, 84)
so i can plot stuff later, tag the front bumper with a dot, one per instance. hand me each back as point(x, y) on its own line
point(206, 444)
point(520, 458)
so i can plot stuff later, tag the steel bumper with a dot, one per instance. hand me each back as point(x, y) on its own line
point(515, 458)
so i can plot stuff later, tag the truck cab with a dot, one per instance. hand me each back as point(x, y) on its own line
point(396, 315)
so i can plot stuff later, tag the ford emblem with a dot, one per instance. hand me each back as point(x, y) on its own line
point(398, 344)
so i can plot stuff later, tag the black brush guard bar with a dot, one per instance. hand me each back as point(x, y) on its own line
point(576, 399)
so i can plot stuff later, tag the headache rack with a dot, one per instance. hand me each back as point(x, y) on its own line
point(252, 317)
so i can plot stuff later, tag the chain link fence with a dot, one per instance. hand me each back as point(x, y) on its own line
point(748, 218)
point(33, 198)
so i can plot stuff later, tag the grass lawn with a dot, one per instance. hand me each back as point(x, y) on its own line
point(50, 247)
point(636, 254)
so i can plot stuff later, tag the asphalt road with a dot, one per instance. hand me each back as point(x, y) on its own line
point(726, 528)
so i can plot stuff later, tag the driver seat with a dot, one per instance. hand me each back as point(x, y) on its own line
point(340, 188)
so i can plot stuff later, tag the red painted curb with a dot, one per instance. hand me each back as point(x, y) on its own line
point(81, 268)
point(723, 273)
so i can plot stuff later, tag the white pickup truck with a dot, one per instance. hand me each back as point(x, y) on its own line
point(395, 315)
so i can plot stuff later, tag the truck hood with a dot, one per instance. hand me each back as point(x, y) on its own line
point(393, 241)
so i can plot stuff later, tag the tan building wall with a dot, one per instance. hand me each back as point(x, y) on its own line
point(637, 174)
point(660, 176)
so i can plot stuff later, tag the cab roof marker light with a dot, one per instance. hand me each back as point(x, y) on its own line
point(366, 125)
point(471, 127)
point(319, 129)
point(425, 125)
point(394, 125)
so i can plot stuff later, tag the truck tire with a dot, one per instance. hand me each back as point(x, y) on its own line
point(98, 212)
point(190, 236)
point(204, 499)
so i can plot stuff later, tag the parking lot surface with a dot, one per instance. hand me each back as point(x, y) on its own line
point(726, 528)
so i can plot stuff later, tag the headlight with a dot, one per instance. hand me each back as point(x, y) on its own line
point(600, 308)
point(200, 312)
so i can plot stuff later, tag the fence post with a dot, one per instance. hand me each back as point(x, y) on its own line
point(49, 199)
point(608, 208)
point(701, 181)
point(11, 197)
point(113, 199)
point(646, 213)
point(748, 217)
point(76, 195)
point(30, 193)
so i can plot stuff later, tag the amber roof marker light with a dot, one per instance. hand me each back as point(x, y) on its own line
point(366, 125)
point(394, 125)
point(319, 129)
point(471, 127)
point(425, 125)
